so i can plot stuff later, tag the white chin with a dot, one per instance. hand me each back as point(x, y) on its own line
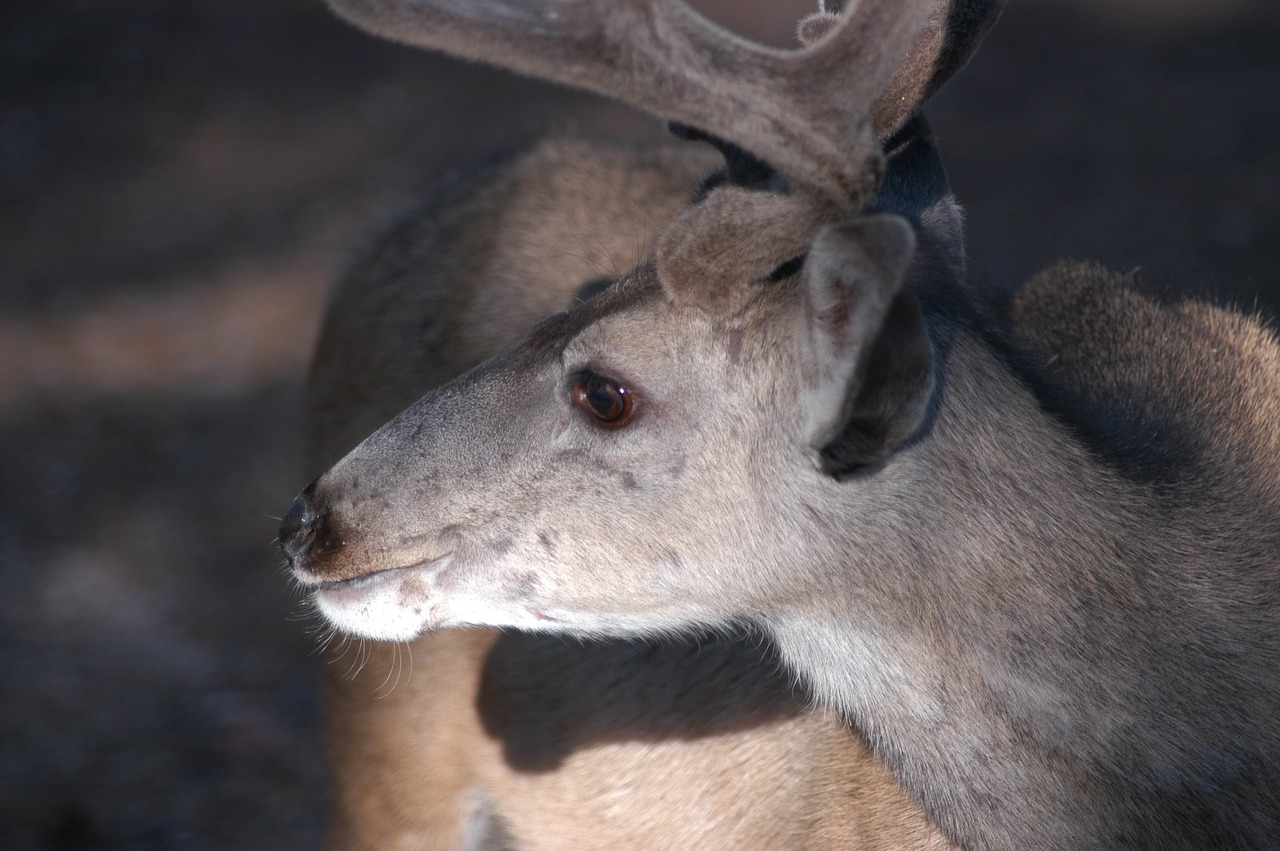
point(386, 606)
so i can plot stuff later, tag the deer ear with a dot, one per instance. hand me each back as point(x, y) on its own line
point(873, 377)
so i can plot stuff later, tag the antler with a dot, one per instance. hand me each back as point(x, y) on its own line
point(815, 115)
point(953, 32)
point(806, 112)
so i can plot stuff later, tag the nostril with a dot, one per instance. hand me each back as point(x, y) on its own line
point(298, 526)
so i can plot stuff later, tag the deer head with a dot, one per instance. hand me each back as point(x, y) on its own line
point(668, 403)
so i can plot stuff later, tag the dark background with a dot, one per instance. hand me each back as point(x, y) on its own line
point(179, 180)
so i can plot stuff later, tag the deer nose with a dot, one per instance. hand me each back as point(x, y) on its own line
point(298, 527)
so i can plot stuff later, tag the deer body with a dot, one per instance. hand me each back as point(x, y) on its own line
point(1032, 559)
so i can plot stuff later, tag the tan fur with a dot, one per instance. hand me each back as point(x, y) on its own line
point(617, 745)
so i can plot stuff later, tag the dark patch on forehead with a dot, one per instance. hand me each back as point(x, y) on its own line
point(593, 288)
point(634, 289)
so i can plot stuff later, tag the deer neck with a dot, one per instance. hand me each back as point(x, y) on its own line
point(952, 640)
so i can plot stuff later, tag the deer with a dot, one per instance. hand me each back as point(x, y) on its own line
point(1024, 562)
point(416, 765)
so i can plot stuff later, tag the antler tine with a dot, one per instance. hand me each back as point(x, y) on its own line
point(948, 40)
point(806, 112)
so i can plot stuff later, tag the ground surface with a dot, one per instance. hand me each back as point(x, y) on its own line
point(178, 180)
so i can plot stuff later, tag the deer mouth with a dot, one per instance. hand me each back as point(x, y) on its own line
point(393, 604)
point(339, 588)
point(369, 581)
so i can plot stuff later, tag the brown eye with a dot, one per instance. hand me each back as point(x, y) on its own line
point(608, 403)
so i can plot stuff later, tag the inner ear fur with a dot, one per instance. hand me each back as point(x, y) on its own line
point(874, 359)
